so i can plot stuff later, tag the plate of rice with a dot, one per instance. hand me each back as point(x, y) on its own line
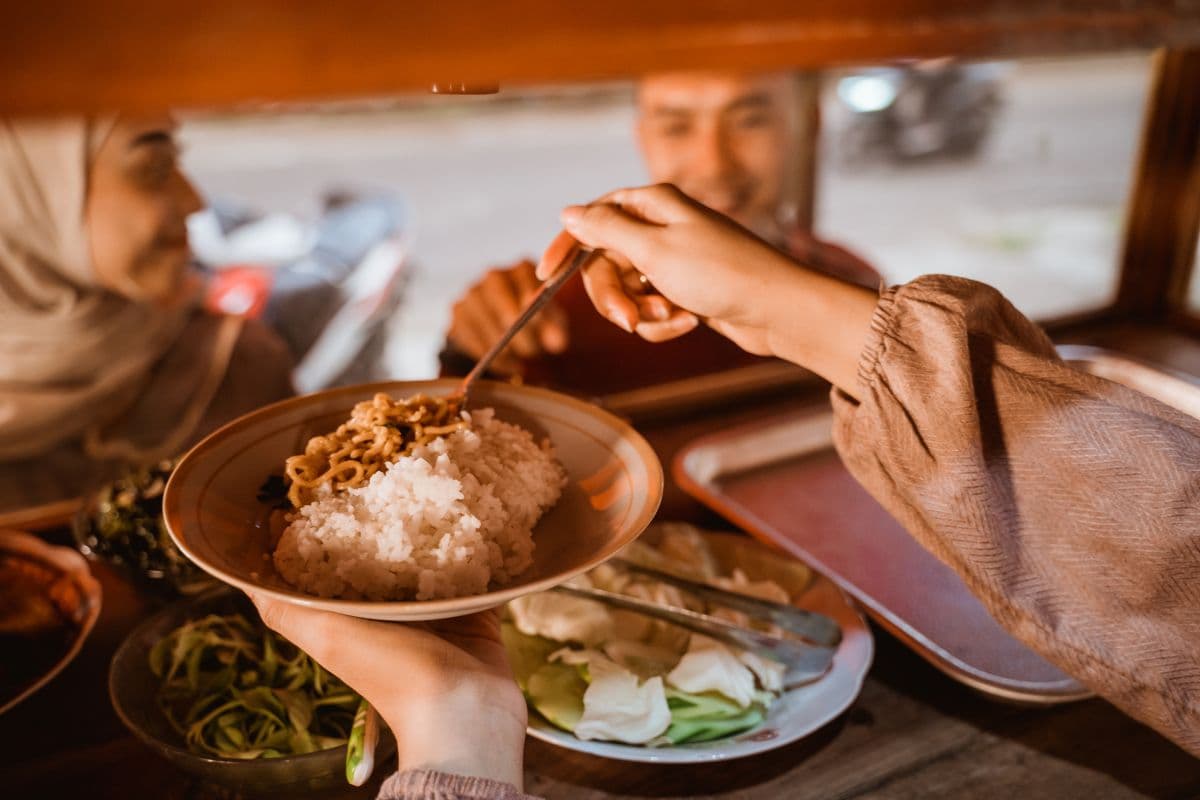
point(385, 501)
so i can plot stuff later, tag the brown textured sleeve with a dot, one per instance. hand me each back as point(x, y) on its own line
point(427, 785)
point(1069, 504)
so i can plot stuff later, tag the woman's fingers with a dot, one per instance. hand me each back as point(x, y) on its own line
point(661, 204)
point(654, 308)
point(679, 323)
point(625, 221)
point(602, 280)
point(608, 227)
point(556, 255)
point(321, 634)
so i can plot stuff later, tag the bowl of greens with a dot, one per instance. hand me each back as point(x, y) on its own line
point(122, 523)
point(205, 685)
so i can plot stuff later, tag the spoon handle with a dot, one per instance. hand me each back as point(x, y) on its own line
point(549, 288)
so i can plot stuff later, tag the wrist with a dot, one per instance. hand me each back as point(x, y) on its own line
point(820, 323)
point(466, 731)
point(772, 292)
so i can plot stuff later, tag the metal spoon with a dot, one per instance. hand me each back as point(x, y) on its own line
point(360, 753)
point(548, 290)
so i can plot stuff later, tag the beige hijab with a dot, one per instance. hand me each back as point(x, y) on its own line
point(78, 362)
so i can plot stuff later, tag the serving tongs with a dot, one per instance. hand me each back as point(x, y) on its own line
point(808, 625)
point(804, 662)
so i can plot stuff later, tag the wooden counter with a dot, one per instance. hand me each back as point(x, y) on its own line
point(913, 733)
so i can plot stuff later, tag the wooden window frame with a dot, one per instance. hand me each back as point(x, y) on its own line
point(1163, 218)
point(125, 54)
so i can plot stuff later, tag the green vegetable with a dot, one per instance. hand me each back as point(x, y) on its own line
point(125, 525)
point(701, 717)
point(709, 705)
point(233, 690)
point(702, 729)
point(556, 691)
point(360, 749)
point(527, 654)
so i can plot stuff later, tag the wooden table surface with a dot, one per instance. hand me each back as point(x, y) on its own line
point(913, 733)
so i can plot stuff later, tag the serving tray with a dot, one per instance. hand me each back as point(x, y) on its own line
point(781, 480)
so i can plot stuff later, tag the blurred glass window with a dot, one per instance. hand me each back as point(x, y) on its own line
point(1013, 173)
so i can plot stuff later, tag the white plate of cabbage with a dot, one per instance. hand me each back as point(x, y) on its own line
point(620, 685)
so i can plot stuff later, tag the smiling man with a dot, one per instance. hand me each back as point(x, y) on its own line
point(725, 139)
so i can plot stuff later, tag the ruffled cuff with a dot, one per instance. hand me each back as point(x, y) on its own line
point(881, 324)
point(419, 784)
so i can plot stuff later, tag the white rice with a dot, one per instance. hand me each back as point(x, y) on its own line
point(452, 518)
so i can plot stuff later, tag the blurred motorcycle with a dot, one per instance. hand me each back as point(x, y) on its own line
point(329, 288)
point(913, 111)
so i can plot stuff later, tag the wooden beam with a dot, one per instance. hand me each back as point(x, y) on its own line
point(1164, 212)
point(126, 54)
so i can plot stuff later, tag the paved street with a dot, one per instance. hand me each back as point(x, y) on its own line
point(1038, 213)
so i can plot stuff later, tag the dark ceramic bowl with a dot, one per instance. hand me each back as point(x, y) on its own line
point(132, 688)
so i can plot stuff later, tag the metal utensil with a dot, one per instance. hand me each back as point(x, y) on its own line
point(804, 662)
point(809, 625)
point(548, 290)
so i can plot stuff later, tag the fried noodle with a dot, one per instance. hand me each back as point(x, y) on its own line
point(379, 431)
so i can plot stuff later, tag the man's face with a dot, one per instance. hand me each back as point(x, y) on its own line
point(724, 139)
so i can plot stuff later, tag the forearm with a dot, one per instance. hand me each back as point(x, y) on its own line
point(820, 323)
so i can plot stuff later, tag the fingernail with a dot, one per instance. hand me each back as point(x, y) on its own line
point(571, 216)
point(660, 312)
point(622, 320)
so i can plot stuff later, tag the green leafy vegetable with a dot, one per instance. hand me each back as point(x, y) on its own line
point(702, 729)
point(360, 750)
point(125, 526)
point(556, 691)
point(701, 717)
point(526, 653)
point(710, 705)
point(233, 690)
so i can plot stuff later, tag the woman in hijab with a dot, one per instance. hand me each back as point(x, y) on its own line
point(105, 357)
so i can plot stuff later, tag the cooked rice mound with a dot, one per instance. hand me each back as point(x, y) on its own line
point(448, 520)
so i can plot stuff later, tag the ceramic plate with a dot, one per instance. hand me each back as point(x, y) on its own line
point(799, 711)
point(615, 485)
point(75, 592)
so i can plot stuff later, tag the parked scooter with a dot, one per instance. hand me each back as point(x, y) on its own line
point(923, 109)
point(329, 289)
